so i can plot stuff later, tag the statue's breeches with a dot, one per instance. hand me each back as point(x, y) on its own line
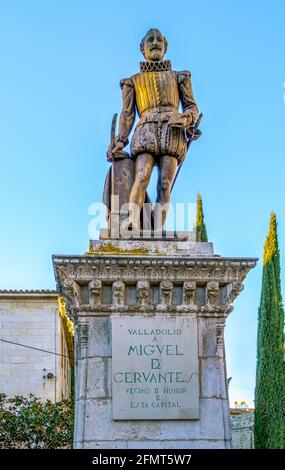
point(159, 139)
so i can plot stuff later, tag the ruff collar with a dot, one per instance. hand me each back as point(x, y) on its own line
point(155, 66)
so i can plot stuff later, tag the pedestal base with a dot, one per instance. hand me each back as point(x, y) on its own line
point(136, 290)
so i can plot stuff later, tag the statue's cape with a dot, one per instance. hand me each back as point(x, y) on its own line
point(107, 189)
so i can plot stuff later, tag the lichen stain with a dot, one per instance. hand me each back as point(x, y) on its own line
point(110, 249)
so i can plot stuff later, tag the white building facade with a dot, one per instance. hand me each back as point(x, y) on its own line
point(36, 345)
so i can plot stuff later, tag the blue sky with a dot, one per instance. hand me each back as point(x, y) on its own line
point(61, 62)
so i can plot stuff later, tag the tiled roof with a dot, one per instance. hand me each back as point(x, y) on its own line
point(28, 291)
point(238, 411)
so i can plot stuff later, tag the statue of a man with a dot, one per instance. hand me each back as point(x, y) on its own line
point(160, 137)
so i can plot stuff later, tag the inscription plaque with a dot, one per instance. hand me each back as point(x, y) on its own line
point(155, 367)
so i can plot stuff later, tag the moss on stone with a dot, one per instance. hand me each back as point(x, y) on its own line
point(110, 249)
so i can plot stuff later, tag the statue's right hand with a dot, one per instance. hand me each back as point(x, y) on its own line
point(116, 150)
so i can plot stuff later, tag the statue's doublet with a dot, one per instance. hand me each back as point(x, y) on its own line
point(155, 93)
point(156, 90)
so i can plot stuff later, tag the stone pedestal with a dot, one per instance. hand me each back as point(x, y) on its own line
point(149, 330)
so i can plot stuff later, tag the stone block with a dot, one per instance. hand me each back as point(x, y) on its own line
point(105, 445)
point(99, 424)
point(18, 360)
point(99, 343)
point(208, 337)
point(99, 378)
point(210, 378)
point(223, 379)
point(154, 247)
point(38, 332)
point(242, 430)
point(172, 444)
point(168, 444)
point(26, 372)
point(227, 420)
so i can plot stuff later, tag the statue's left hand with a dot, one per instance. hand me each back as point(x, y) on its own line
point(193, 134)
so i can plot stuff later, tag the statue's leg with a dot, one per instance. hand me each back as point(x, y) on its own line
point(166, 173)
point(143, 169)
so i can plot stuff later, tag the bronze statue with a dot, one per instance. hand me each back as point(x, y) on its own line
point(163, 134)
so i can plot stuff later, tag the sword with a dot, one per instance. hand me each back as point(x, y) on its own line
point(110, 156)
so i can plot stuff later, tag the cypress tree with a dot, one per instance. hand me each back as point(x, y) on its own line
point(269, 426)
point(201, 231)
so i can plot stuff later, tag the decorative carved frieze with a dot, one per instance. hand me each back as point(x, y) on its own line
point(165, 294)
point(188, 296)
point(118, 294)
point(77, 294)
point(143, 294)
point(219, 311)
point(220, 279)
point(68, 290)
point(212, 293)
point(220, 327)
point(72, 296)
point(215, 310)
point(235, 290)
point(95, 290)
point(82, 330)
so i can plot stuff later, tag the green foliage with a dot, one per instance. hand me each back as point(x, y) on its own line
point(269, 427)
point(201, 231)
point(28, 423)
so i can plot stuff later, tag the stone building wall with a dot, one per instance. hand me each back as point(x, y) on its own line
point(32, 319)
point(242, 430)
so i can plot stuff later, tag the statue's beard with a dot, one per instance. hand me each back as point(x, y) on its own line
point(155, 55)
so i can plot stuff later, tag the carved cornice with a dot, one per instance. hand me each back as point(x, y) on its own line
point(87, 268)
point(207, 287)
point(150, 309)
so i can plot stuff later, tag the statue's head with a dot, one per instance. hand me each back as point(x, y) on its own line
point(154, 45)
